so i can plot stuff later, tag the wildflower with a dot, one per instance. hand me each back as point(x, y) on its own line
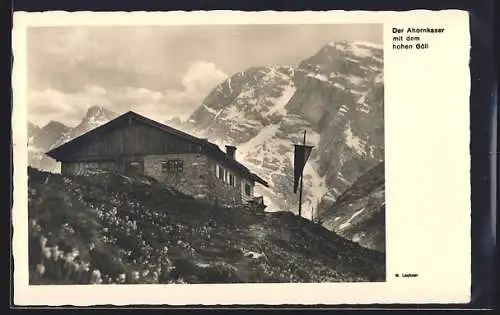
point(69, 258)
point(135, 275)
point(75, 252)
point(46, 252)
point(96, 277)
point(180, 281)
point(121, 277)
point(54, 253)
point(40, 269)
point(155, 275)
point(85, 266)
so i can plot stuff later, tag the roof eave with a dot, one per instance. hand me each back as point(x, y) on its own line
point(51, 154)
point(259, 180)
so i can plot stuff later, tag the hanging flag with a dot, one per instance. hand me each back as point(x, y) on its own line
point(301, 156)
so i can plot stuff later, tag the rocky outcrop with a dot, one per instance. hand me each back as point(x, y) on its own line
point(359, 213)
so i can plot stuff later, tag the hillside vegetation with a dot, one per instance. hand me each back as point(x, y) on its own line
point(111, 228)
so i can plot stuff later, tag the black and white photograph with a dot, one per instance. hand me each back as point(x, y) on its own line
point(241, 158)
point(204, 154)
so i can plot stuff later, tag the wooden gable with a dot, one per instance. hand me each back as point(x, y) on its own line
point(131, 137)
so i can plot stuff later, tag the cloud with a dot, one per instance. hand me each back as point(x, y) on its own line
point(69, 108)
point(200, 78)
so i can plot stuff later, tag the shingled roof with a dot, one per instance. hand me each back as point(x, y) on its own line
point(209, 148)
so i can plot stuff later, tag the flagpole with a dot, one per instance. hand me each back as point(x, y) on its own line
point(301, 184)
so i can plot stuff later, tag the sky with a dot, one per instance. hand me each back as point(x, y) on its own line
point(158, 71)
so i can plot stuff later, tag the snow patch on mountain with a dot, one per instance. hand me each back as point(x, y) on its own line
point(354, 79)
point(316, 188)
point(269, 154)
point(368, 44)
point(353, 141)
point(256, 149)
point(318, 76)
point(281, 101)
point(213, 111)
point(348, 222)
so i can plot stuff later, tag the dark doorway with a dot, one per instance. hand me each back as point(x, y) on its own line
point(135, 166)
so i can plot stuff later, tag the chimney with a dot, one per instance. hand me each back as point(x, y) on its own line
point(230, 151)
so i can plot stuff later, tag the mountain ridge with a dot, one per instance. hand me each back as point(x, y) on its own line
point(55, 133)
point(336, 95)
point(358, 213)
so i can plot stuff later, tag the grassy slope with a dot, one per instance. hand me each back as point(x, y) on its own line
point(107, 228)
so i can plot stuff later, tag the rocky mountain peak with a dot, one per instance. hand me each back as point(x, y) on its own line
point(55, 127)
point(95, 110)
point(98, 113)
point(32, 128)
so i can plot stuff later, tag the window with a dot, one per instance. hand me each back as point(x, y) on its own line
point(224, 175)
point(173, 166)
point(219, 172)
point(248, 189)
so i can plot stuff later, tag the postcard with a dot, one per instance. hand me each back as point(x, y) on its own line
point(241, 158)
